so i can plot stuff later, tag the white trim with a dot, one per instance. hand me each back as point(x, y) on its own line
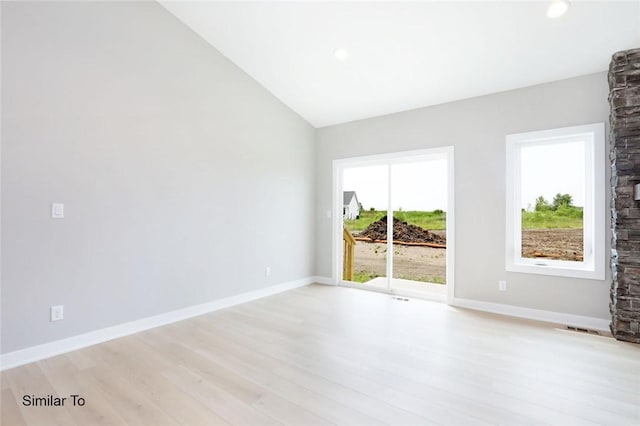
point(323, 280)
point(594, 264)
point(389, 226)
point(450, 225)
point(46, 350)
point(534, 314)
point(429, 297)
point(337, 224)
point(397, 157)
point(444, 152)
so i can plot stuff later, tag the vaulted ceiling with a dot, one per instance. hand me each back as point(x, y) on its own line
point(405, 55)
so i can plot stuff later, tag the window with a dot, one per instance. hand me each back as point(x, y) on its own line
point(555, 202)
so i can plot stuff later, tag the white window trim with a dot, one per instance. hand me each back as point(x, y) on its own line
point(593, 266)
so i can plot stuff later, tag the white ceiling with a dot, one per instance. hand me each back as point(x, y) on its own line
point(407, 55)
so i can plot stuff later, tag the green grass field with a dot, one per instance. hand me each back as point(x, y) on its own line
point(426, 220)
point(363, 277)
point(564, 217)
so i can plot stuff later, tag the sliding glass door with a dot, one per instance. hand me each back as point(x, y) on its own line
point(393, 221)
point(419, 206)
point(365, 200)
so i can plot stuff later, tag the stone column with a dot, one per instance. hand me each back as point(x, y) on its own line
point(624, 98)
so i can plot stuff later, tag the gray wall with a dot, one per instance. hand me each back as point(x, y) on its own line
point(477, 128)
point(182, 178)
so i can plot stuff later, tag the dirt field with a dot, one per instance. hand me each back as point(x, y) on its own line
point(410, 263)
point(429, 264)
point(560, 244)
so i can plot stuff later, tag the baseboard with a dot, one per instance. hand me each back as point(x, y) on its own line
point(36, 353)
point(323, 280)
point(534, 314)
point(46, 350)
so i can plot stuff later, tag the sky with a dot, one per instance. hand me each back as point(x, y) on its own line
point(416, 186)
point(551, 169)
point(545, 170)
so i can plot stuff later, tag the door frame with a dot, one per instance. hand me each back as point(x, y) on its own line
point(447, 153)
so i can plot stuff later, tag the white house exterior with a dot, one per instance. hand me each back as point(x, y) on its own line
point(350, 205)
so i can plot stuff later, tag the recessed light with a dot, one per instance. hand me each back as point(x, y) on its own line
point(341, 54)
point(557, 8)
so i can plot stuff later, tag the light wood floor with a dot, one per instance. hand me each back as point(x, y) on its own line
point(323, 355)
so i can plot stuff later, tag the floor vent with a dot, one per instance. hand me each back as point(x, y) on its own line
point(404, 299)
point(583, 330)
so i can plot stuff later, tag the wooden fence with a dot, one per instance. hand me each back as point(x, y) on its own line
point(349, 244)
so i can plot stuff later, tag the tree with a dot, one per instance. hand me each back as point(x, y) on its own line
point(542, 204)
point(562, 200)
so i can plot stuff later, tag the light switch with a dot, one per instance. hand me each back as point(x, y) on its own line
point(57, 211)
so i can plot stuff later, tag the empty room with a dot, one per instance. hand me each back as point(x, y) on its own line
point(320, 213)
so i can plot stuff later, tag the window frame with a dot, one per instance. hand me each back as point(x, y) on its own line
point(594, 262)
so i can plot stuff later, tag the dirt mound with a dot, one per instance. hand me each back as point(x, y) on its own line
point(402, 231)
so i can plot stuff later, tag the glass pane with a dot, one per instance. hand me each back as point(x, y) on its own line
point(365, 202)
point(419, 199)
point(553, 194)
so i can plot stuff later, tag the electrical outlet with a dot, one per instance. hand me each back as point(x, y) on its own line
point(57, 313)
point(502, 285)
point(57, 211)
point(267, 271)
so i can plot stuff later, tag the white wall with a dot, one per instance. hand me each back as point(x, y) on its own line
point(477, 128)
point(173, 165)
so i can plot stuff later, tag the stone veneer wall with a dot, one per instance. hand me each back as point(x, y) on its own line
point(624, 98)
